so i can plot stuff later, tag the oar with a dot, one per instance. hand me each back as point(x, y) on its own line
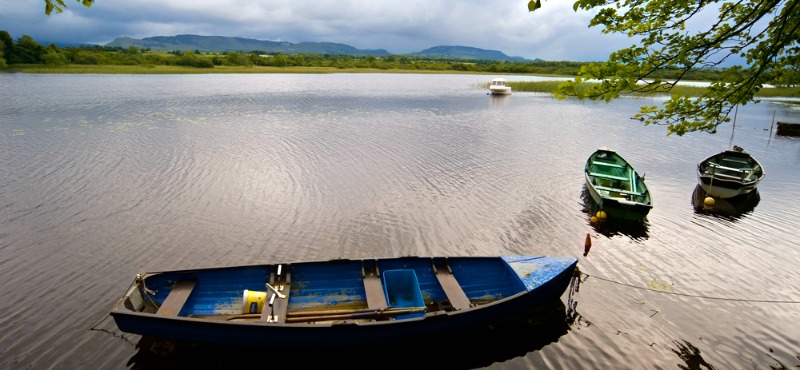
point(322, 315)
point(357, 315)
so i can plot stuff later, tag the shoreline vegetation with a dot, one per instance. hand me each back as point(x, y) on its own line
point(27, 56)
point(682, 90)
point(519, 86)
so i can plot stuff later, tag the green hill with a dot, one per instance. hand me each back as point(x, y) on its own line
point(223, 44)
point(220, 44)
point(466, 52)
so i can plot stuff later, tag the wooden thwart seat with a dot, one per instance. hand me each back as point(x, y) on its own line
point(605, 176)
point(609, 164)
point(736, 161)
point(376, 296)
point(276, 307)
point(728, 176)
point(452, 289)
point(721, 167)
point(176, 298)
point(598, 187)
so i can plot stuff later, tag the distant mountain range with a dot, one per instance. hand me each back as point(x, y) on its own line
point(222, 44)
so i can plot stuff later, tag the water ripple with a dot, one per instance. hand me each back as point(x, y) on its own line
point(120, 175)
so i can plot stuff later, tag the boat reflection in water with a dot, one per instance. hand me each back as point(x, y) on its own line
point(502, 340)
point(638, 230)
point(733, 208)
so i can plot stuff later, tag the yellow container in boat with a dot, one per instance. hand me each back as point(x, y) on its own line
point(253, 301)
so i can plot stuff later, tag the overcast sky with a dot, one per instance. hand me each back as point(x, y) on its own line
point(555, 32)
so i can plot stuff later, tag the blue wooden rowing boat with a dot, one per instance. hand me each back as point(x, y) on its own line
point(616, 187)
point(338, 302)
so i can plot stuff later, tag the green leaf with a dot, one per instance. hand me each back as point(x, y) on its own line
point(764, 34)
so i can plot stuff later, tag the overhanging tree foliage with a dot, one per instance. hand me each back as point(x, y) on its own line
point(764, 33)
point(59, 5)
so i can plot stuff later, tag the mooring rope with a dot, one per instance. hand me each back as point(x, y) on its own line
point(688, 295)
point(113, 334)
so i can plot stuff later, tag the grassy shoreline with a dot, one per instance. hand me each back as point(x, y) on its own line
point(521, 86)
point(164, 69)
point(691, 91)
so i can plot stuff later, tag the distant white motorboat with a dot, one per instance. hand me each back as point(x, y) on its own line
point(499, 87)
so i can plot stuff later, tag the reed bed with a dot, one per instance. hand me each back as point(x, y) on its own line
point(682, 90)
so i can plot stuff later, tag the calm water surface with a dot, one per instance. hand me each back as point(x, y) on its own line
point(107, 176)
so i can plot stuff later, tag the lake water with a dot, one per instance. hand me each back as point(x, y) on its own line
point(107, 176)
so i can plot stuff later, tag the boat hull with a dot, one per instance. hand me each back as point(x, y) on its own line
point(729, 174)
point(724, 189)
point(616, 187)
point(619, 209)
point(501, 91)
point(532, 280)
point(732, 207)
point(499, 87)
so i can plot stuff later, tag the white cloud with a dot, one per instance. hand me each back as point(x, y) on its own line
point(554, 32)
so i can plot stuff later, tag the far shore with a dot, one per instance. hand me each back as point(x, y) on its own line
point(519, 86)
point(164, 69)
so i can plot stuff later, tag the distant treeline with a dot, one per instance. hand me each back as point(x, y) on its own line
point(26, 51)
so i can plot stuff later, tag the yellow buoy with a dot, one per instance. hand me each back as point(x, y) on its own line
point(708, 202)
point(601, 215)
point(593, 219)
